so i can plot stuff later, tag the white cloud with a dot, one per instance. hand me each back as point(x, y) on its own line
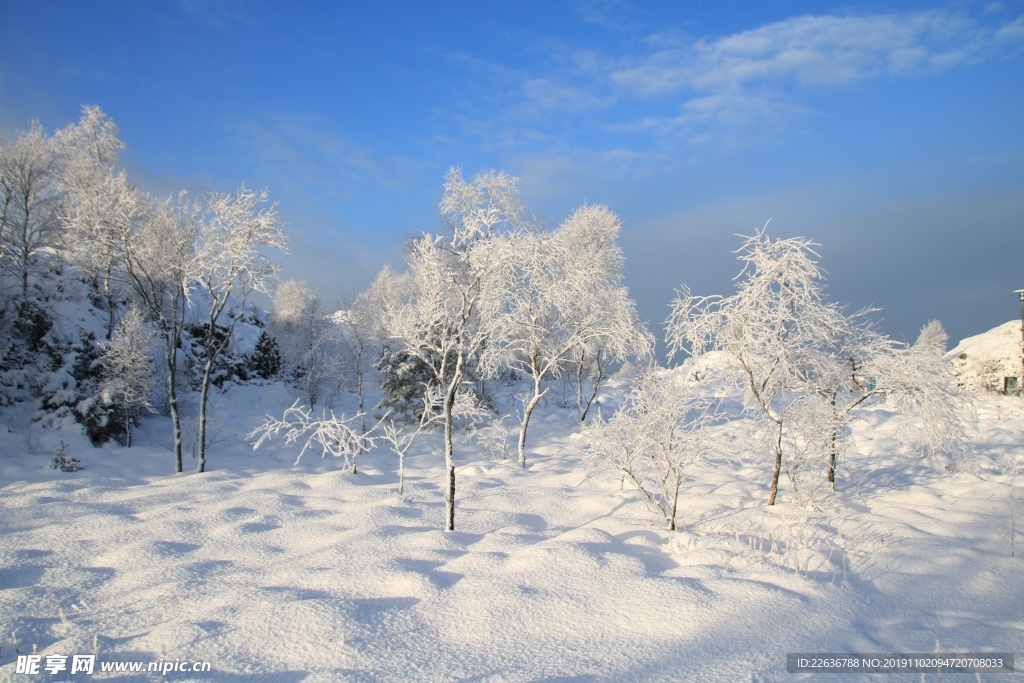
point(613, 14)
point(1012, 32)
point(670, 92)
point(815, 51)
point(307, 153)
point(764, 74)
point(549, 95)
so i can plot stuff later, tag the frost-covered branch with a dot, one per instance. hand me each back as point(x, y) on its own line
point(333, 435)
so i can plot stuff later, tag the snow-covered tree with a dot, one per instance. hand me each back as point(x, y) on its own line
point(661, 429)
point(265, 359)
point(773, 329)
point(807, 367)
point(859, 368)
point(361, 332)
point(129, 369)
point(159, 267)
point(921, 386)
point(91, 143)
point(100, 203)
point(302, 326)
point(30, 198)
point(452, 314)
point(486, 206)
point(230, 265)
point(844, 380)
point(566, 295)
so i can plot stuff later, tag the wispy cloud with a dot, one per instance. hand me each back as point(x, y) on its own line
point(766, 75)
point(669, 97)
point(551, 95)
point(311, 152)
point(83, 72)
point(815, 51)
point(615, 14)
point(1012, 32)
point(218, 14)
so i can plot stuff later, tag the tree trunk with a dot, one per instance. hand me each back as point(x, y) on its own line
point(579, 389)
point(449, 450)
point(25, 258)
point(204, 394)
point(675, 506)
point(108, 293)
point(213, 351)
point(401, 472)
point(359, 391)
point(832, 463)
point(672, 512)
point(597, 387)
point(172, 398)
point(832, 445)
point(527, 411)
point(778, 467)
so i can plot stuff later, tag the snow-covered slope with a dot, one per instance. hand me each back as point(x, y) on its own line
point(275, 572)
point(982, 362)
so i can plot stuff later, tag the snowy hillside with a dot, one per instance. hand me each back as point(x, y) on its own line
point(275, 572)
point(982, 362)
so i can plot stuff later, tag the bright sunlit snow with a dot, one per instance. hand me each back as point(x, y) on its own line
point(278, 572)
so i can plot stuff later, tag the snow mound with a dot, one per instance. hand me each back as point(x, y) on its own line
point(984, 361)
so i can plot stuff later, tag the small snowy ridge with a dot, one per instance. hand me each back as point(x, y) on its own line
point(983, 361)
point(274, 572)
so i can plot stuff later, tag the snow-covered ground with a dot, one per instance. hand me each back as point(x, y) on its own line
point(278, 572)
point(984, 361)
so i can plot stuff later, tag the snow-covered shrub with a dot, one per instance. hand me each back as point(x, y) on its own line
point(130, 371)
point(808, 544)
point(332, 434)
point(664, 427)
point(226, 367)
point(493, 438)
point(74, 388)
point(265, 360)
point(62, 461)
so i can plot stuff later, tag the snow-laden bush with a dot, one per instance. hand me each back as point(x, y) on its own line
point(662, 429)
point(62, 461)
point(265, 360)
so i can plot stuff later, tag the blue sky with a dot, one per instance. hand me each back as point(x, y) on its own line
point(890, 133)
